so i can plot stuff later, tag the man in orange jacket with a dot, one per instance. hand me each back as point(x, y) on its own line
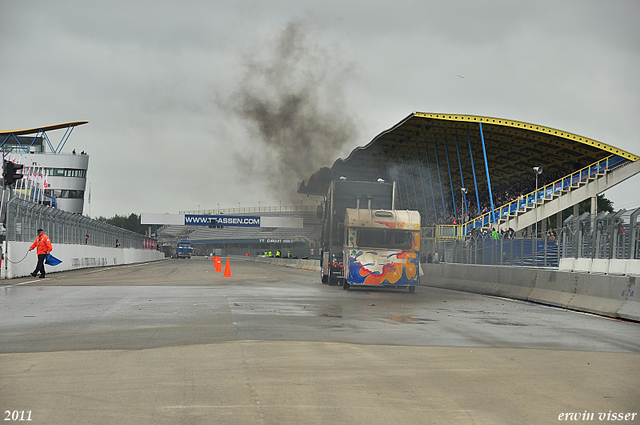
point(43, 244)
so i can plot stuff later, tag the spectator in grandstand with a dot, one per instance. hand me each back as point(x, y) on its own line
point(436, 257)
point(429, 257)
point(43, 245)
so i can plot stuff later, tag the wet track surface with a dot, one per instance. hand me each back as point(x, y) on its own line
point(149, 318)
point(144, 306)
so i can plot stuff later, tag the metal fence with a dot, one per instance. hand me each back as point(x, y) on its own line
point(24, 217)
point(531, 252)
point(614, 235)
point(604, 236)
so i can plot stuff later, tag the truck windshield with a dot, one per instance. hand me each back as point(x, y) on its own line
point(383, 238)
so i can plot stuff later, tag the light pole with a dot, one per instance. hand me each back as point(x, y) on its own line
point(463, 192)
point(537, 171)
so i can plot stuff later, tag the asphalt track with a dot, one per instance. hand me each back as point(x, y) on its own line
point(175, 342)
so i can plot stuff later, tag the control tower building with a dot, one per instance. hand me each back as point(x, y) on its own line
point(66, 172)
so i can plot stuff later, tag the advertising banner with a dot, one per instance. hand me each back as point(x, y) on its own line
point(221, 220)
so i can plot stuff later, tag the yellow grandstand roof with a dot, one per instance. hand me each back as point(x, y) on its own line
point(453, 141)
point(45, 128)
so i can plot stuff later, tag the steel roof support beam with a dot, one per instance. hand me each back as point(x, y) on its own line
point(15, 138)
point(444, 207)
point(406, 185)
point(42, 133)
point(399, 189)
point(413, 177)
point(64, 139)
point(464, 196)
point(46, 138)
point(492, 218)
point(433, 198)
point(453, 196)
point(473, 168)
point(424, 196)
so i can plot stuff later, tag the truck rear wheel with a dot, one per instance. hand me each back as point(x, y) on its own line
point(345, 285)
point(412, 289)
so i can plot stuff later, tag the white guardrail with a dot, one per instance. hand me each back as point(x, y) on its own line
point(18, 261)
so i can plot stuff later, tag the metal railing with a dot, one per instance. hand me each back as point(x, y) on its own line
point(24, 217)
point(607, 235)
point(505, 251)
point(530, 200)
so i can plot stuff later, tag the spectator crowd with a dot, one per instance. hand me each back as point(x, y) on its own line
point(502, 195)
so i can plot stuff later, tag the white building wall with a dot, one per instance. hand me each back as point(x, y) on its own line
point(62, 160)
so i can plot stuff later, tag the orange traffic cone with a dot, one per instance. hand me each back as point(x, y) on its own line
point(227, 269)
point(218, 264)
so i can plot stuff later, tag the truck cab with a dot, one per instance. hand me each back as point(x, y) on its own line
point(184, 249)
point(382, 248)
point(343, 194)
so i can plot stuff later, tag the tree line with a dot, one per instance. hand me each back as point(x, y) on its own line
point(131, 222)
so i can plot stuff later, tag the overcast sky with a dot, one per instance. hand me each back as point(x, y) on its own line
point(205, 103)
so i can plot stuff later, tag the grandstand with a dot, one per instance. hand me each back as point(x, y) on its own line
point(466, 172)
point(255, 241)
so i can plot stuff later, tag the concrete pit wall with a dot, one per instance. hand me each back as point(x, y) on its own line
point(72, 256)
point(607, 295)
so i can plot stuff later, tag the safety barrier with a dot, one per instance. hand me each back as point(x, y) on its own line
point(19, 261)
point(600, 266)
point(607, 295)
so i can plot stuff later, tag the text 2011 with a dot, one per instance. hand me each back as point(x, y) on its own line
point(17, 415)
